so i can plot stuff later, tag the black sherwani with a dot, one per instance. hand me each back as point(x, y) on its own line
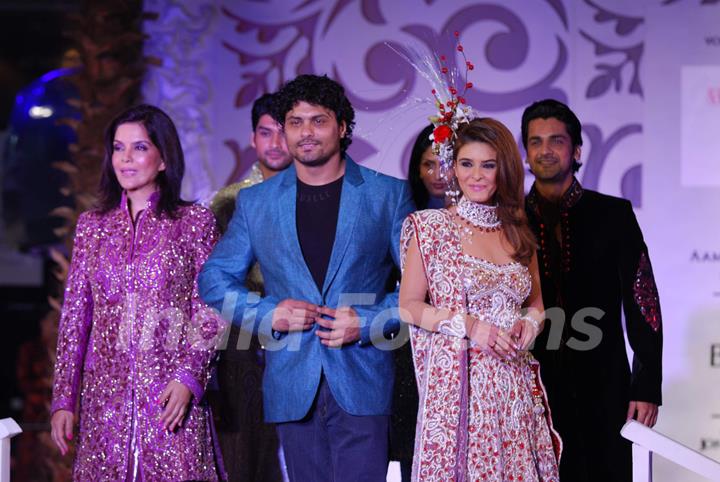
point(592, 256)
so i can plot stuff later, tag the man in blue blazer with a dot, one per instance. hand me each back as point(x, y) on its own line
point(325, 233)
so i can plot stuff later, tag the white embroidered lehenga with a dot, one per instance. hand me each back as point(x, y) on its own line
point(480, 418)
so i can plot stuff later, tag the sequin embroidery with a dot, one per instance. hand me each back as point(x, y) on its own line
point(646, 294)
point(132, 321)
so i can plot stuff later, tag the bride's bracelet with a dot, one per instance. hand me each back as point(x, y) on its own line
point(454, 326)
point(535, 323)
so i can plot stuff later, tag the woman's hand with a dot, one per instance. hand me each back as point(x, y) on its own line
point(491, 339)
point(524, 332)
point(61, 424)
point(175, 398)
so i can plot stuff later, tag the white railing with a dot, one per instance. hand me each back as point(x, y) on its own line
point(8, 429)
point(647, 441)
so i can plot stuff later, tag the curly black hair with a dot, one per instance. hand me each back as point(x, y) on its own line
point(317, 90)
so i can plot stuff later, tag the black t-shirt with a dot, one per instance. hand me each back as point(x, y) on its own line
point(317, 215)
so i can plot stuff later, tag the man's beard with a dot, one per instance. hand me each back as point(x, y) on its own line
point(275, 165)
point(316, 162)
point(553, 172)
point(321, 159)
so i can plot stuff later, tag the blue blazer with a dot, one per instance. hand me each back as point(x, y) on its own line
point(263, 229)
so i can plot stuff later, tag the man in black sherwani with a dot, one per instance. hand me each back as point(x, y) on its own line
point(593, 263)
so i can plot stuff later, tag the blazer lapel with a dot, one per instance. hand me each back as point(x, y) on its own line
point(348, 214)
point(287, 217)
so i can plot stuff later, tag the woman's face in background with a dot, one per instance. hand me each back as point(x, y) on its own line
point(430, 174)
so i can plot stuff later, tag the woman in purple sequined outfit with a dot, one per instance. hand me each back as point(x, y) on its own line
point(136, 342)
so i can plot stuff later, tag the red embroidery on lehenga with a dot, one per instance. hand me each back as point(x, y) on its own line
point(646, 295)
point(479, 418)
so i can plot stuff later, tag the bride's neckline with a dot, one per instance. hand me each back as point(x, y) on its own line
point(473, 257)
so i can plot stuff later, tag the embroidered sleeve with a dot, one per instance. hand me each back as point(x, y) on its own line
point(75, 321)
point(645, 293)
point(206, 325)
point(643, 320)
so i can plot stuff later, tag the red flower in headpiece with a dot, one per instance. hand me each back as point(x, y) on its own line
point(442, 133)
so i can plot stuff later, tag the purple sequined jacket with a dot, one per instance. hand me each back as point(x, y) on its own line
point(132, 321)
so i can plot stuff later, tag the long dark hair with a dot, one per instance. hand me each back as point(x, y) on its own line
point(164, 136)
point(509, 194)
point(420, 194)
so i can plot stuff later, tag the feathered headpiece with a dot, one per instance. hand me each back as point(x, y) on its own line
point(448, 88)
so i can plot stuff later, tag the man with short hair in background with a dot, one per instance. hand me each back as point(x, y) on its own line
point(268, 140)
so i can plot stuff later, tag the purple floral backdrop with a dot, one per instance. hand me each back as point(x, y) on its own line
point(617, 63)
point(582, 52)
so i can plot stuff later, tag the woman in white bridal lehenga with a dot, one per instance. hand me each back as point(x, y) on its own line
point(470, 289)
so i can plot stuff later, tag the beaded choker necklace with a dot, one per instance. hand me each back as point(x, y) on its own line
point(478, 215)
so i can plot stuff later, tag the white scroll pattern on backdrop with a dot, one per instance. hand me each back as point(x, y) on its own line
point(180, 38)
point(587, 53)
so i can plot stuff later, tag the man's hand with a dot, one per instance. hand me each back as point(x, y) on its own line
point(344, 328)
point(61, 425)
point(176, 398)
point(294, 315)
point(646, 412)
